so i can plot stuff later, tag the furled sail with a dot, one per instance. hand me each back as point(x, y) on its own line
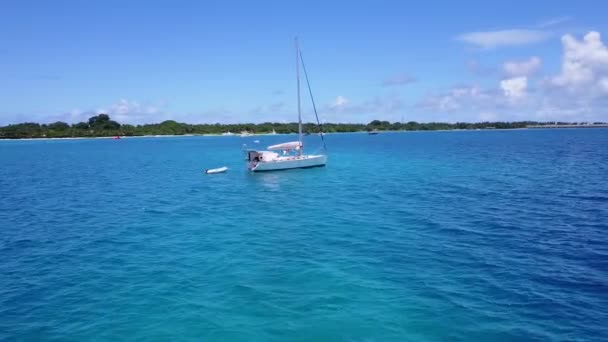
point(294, 145)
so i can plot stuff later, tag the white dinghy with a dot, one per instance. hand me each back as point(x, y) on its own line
point(218, 170)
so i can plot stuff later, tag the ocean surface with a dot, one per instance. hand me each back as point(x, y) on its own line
point(417, 236)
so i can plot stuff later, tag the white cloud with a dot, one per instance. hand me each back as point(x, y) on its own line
point(514, 88)
point(507, 101)
point(461, 103)
point(578, 92)
point(493, 39)
point(553, 22)
point(343, 110)
point(553, 108)
point(453, 99)
point(125, 111)
point(522, 68)
point(583, 63)
point(339, 103)
point(603, 83)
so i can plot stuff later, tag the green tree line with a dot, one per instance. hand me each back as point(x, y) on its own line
point(103, 126)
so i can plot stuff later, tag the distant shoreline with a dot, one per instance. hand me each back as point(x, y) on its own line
point(156, 136)
point(315, 134)
point(103, 127)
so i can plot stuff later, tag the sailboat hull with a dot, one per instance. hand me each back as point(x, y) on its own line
point(287, 163)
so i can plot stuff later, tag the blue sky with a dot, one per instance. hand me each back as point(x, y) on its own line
point(233, 61)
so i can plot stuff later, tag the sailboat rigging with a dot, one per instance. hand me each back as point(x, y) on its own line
point(293, 156)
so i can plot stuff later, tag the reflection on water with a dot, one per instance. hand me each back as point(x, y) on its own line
point(284, 179)
point(268, 180)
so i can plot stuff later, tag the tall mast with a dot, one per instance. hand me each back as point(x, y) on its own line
point(299, 104)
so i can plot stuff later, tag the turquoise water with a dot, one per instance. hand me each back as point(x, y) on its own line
point(464, 236)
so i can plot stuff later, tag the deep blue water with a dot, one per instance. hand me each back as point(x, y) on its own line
point(434, 236)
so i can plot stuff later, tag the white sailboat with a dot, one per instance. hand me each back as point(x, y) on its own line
point(292, 156)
